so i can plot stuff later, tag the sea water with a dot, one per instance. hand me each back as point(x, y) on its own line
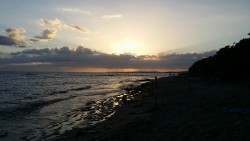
point(41, 106)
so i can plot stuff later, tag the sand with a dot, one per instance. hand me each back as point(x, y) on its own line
point(181, 108)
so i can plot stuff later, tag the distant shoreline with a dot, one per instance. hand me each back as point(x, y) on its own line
point(97, 72)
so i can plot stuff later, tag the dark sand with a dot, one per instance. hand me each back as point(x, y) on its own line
point(180, 108)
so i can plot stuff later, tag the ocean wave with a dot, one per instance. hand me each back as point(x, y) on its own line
point(81, 88)
point(74, 89)
point(19, 109)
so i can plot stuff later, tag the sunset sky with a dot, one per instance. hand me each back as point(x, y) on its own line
point(91, 35)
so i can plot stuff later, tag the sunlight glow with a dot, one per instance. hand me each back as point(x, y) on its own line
point(127, 47)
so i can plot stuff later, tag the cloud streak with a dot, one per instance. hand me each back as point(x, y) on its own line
point(112, 16)
point(70, 59)
point(75, 27)
point(74, 10)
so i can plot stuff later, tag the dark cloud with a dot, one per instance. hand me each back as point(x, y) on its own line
point(7, 41)
point(65, 58)
point(35, 40)
point(14, 37)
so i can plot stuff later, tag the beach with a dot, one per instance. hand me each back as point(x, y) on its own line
point(178, 108)
point(59, 102)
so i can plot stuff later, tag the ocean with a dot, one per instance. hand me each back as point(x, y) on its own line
point(41, 106)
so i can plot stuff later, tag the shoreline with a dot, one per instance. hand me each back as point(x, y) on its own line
point(180, 108)
point(101, 110)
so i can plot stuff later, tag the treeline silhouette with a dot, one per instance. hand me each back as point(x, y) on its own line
point(231, 63)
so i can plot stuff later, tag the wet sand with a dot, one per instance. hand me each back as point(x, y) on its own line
point(180, 108)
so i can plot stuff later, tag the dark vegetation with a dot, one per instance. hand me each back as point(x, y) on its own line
point(231, 63)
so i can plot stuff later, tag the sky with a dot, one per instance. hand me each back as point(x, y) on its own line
point(116, 35)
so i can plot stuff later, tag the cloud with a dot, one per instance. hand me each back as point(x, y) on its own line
point(111, 16)
point(54, 26)
point(70, 59)
point(7, 41)
point(75, 27)
point(16, 33)
point(57, 24)
point(14, 37)
point(47, 34)
point(35, 40)
point(74, 10)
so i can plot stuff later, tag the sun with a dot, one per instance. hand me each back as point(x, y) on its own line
point(127, 47)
